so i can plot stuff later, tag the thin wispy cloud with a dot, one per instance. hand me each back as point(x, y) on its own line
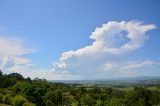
point(12, 54)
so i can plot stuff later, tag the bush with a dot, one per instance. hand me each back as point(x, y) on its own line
point(1, 98)
point(7, 99)
point(18, 100)
point(28, 104)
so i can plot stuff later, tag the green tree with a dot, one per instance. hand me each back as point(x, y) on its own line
point(18, 87)
point(16, 75)
point(116, 102)
point(28, 79)
point(0, 73)
point(139, 96)
point(155, 97)
point(87, 100)
point(75, 103)
point(99, 102)
point(32, 93)
point(54, 96)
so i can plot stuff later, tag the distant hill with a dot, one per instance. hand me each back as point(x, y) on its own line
point(138, 78)
point(144, 80)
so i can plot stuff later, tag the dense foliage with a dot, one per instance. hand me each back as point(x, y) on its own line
point(18, 91)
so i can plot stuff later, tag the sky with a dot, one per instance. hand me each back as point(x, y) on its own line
point(80, 39)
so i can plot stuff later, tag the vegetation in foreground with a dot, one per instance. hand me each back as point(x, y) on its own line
point(15, 90)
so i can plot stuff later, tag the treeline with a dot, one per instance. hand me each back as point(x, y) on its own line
point(16, 90)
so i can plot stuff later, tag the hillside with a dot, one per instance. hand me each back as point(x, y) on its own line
point(16, 90)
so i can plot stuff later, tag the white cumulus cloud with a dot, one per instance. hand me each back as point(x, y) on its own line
point(102, 58)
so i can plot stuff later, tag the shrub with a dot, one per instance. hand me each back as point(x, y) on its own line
point(28, 104)
point(7, 99)
point(18, 100)
point(1, 97)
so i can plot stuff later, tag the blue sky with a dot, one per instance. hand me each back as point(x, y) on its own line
point(43, 30)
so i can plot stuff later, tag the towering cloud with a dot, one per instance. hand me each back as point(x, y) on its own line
point(105, 54)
